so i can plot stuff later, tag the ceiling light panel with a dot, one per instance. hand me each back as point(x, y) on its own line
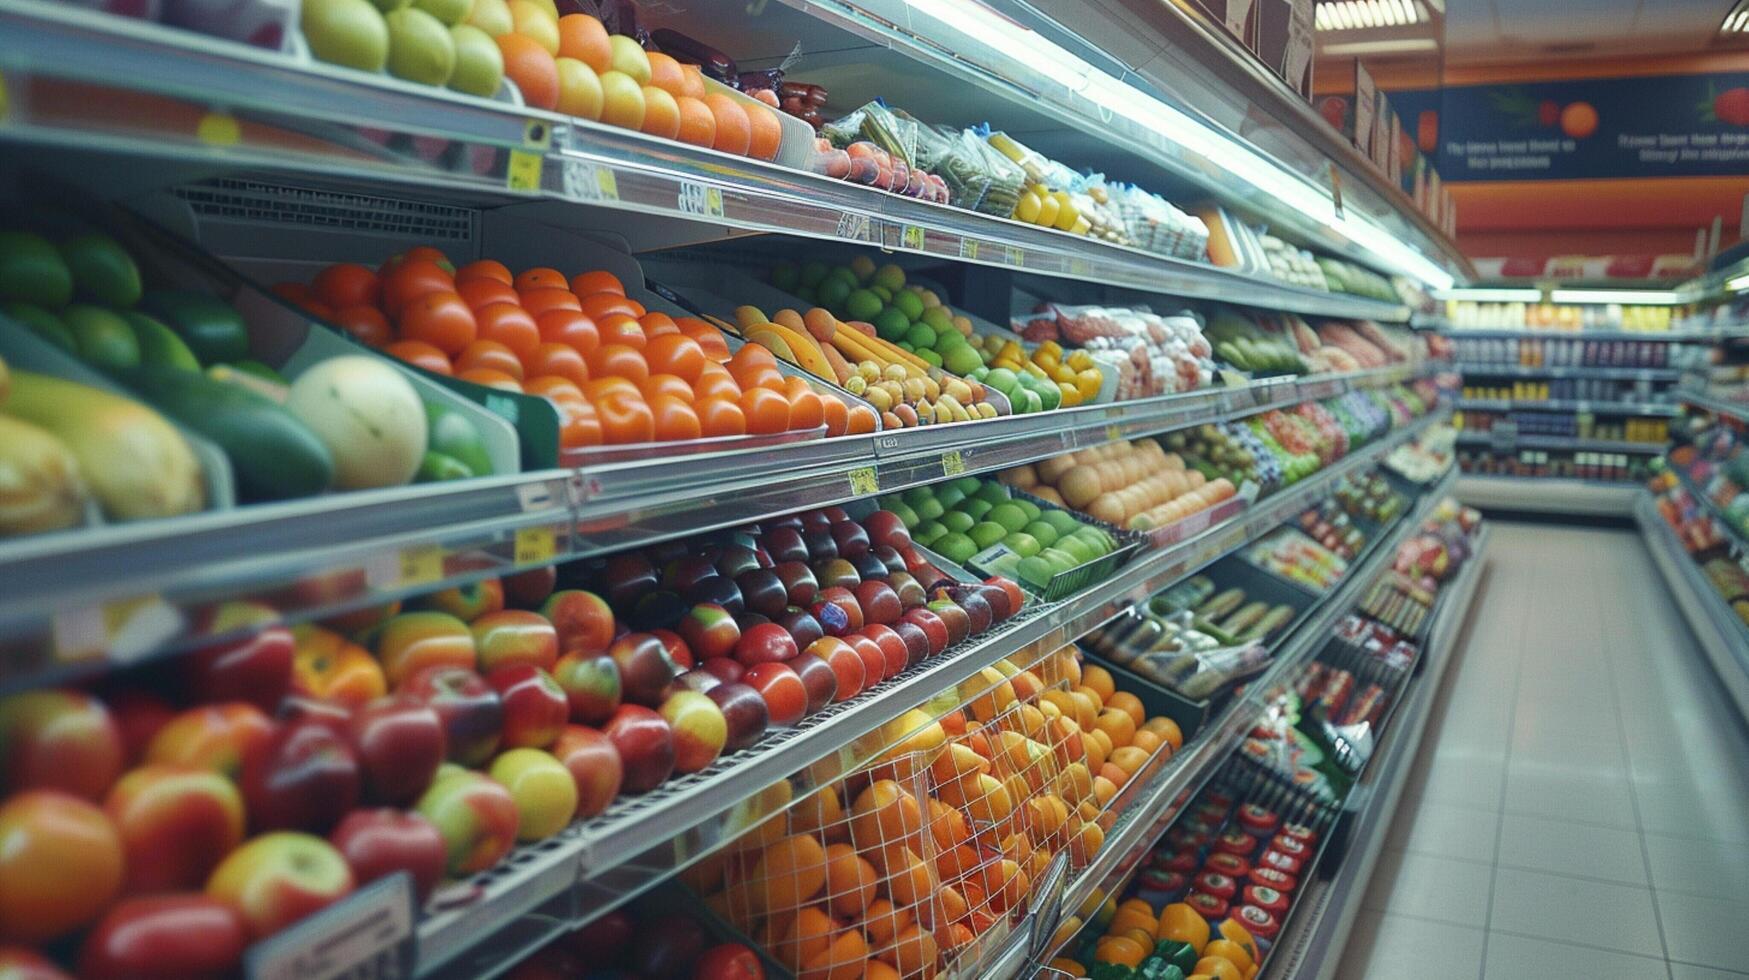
point(1348, 15)
point(1737, 21)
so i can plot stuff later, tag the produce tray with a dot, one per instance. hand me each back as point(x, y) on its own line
point(998, 560)
point(1192, 525)
point(1157, 699)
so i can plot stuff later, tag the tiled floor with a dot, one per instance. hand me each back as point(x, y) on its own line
point(1580, 808)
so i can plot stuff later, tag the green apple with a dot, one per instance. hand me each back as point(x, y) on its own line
point(1022, 544)
point(449, 12)
point(1011, 517)
point(479, 65)
point(629, 58)
point(276, 879)
point(986, 533)
point(975, 508)
point(420, 47)
point(346, 32)
point(545, 793)
point(492, 16)
point(1043, 533)
point(957, 521)
point(477, 817)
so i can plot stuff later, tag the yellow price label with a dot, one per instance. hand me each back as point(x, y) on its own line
point(607, 183)
point(1016, 255)
point(912, 237)
point(219, 129)
point(968, 249)
point(1112, 432)
point(3, 102)
point(523, 173)
point(695, 198)
point(421, 564)
point(864, 481)
point(534, 545)
point(952, 463)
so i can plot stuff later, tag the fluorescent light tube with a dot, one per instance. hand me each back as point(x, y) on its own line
point(1626, 297)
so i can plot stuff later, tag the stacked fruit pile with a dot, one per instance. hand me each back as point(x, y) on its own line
point(1151, 354)
point(1135, 485)
point(901, 868)
point(1253, 346)
point(618, 373)
point(1229, 451)
point(963, 517)
point(1175, 943)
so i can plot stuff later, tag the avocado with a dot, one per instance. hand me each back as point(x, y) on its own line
point(102, 270)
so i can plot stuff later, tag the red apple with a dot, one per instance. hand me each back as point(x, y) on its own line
point(584, 620)
point(601, 941)
point(535, 706)
point(59, 739)
point(515, 636)
point(683, 573)
point(851, 538)
point(799, 584)
point(218, 737)
point(845, 663)
point(874, 663)
point(784, 544)
point(644, 668)
point(700, 731)
point(957, 621)
point(718, 590)
point(932, 627)
point(818, 679)
point(916, 641)
point(628, 577)
point(175, 825)
point(786, 699)
point(165, 937)
point(679, 654)
point(303, 707)
point(910, 591)
point(331, 667)
point(591, 685)
point(729, 961)
point(61, 864)
point(735, 559)
point(710, 631)
point(470, 709)
point(138, 716)
point(765, 643)
point(819, 542)
point(894, 649)
point(697, 679)
point(728, 670)
point(476, 817)
point(305, 780)
point(762, 591)
point(837, 572)
point(890, 560)
point(256, 668)
point(594, 765)
point(467, 602)
point(399, 743)
point(665, 945)
point(744, 712)
point(970, 598)
point(801, 626)
point(527, 590)
point(846, 600)
point(886, 530)
point(880, 604)
point(413, 641)
point(276, 879)
point(1016, 598)
point(645, 744)
point(360, 622)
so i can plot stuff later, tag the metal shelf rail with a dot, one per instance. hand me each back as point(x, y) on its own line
point(1721, 633)
point(1475, 438)
point(1642, 409)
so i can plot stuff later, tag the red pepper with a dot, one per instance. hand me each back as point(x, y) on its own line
point(1236, 842)
point(1216, 884)
point(1184, 862)
point(1290, 846)
point(1257, 819)
point(1206, 905)
point(1267, 899)
point(1281, 881)
point(1231, 865)
point(1285, 863)
point(1300, 832)
point(1258, 922)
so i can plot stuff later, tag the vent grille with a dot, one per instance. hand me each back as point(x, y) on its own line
point(260, 202)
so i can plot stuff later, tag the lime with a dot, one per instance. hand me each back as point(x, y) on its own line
point(833, 293)
point(939, 318)
point(890, 277)
point(32, 271)
point(957, 521)
point(957, 548)
point(962, 360)
point(863, 266)
point(909, 302)
point(927, 532)
point(994, 492)
point(1022, 544)
point(976, 507)
point(920, 335)
point(949, 495)
point(1033, 402)
point(1062, 520)
point(1076, 550)
point(932, 357)
point(1045, 534)
point(1002, 380)
point(862, 305)
point(891, 325)
point(1032, 510)
point(1011, 518)
point(1036, 571)
point(907, 516)
point(786, 276)
point(987, 533)
point(917, 495)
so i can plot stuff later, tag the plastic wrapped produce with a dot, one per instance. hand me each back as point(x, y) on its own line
point(1007, 179)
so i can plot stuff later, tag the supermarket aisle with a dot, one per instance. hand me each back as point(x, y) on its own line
point(1581, 802)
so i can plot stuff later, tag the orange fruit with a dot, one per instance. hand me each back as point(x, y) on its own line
point(767, 411)
point(489, 354)
point(484, 269)
point(509, 325)
point(841, 960)
point(720, 417)
point(764, 132)
point(859, 420)
point(584, 38)
point(626, 420)
point(1167, 729)
point(1147, 741)
point(1099, 679)
point(441, 319)
point(661, 113)
point(850, 881)
point(554, 387)
point(544, 298)
point(491, 379)
point(595, 389)
point(558, 360)
point(365, 324)
point(420, 354)
point(480, 292)
point(698, 125)
point(734, 132)
point(806, 410)
point(667, 385)
point(675, 354)
point(665, 73)
point(345, 284)
point(597, 281)
point(1129, 758)
point(540, 277)
point(622, 100)
point(579, 425)
point(912, 953)
point(600, 304)
point(692, 81)
point(430, 254)
point(716, 384)
point(409, 280)
point(1129, 704)
point(789, 873)
point(877, 970)
point(1117, 725)
point(570, 328)
point(809, 934)
point(617, 361)
point(621, 328)
point(835, 416)
point(530, 65)
point(656, 323)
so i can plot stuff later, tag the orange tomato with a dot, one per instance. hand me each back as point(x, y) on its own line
point(720, 417)
point(861, 421)
point(617, 361)
point(595, 389)
point(484, 269)
point(365, 324)
point(625, 420)
point(835, 414)
point(420, 354)
point(793, 386)
point(675, 420)
point(559, 360)
point(675, 354)
point(806, 410)
point(757, 376)
point(532, 68)
point(409, 280)
point(656, 323)
point(430, 254)
point(599, 305)
point(766, 411)
point(570, 328)
point(544, 298)
point(708, 337)
point(554, 387)
point(596, 281)
point(346, 284)
point(509, 325)
point(489, 354)
point(764, 132)
point(734, 132)
point(441, 319)
point(579, 425)
point(491, 379)
point(539, 277)
point(716, 384)
point(584, 38)
point(666, 385)
point(484, 292)
point(698, 125)
point(620, 328)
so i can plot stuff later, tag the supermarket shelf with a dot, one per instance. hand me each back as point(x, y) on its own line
point(288, 116)
point(1548, 495)
point(1129, 842)
point(1310, 946)
point(1718, 406)
point(1705, 502)
point(1605, 373)
point(1641, 409)
point(1720, 633)
point(1659, 336)
point(592, 868)
point(1472, 438)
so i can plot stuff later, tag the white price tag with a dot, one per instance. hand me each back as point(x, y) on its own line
point(585, 181)
point(368, 936)
point(853, 226)
point(696, 198)
point(1238, 12)
point(80, 634)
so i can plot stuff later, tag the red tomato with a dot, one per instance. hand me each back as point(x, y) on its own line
point(730, 961)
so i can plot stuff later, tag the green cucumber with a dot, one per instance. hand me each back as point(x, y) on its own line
point(214, 331)
point(276, 456)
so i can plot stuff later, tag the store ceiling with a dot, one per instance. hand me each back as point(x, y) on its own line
point(1509, 30)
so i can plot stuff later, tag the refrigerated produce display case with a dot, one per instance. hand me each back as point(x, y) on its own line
point(817, 490)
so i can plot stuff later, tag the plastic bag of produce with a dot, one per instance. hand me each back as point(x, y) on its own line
point(1007, 179)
